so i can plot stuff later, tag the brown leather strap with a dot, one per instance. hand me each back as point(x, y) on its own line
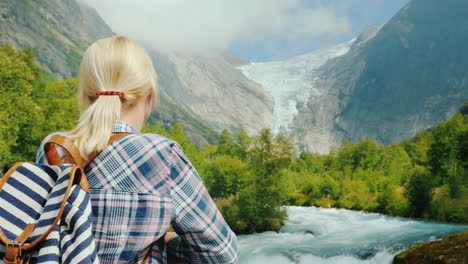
point(13, 251)
point(72, 154)
point(146, 259)
point(13, 254)
point(52, 156)
point(8, 174)
point(26, 233)
point(9, 252)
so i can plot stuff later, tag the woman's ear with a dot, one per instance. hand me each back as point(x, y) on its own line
point(148, 105)
point(149, 99)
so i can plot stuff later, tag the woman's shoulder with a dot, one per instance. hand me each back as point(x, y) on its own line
point(153, 139)
point(149, 138)
point(157, 138)
point(150, 142)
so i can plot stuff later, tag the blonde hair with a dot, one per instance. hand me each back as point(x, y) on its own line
point(110, 64)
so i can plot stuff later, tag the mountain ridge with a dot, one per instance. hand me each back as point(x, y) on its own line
point(58, 32)
point(212, 89)
point(405, 79)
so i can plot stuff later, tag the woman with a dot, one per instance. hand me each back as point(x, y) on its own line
point(141, 183)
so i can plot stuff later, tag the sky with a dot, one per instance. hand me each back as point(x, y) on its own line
point(257, 30)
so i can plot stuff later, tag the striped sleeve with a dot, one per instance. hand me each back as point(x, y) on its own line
point(203, 235)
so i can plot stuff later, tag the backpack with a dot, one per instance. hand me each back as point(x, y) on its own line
point(45, 210)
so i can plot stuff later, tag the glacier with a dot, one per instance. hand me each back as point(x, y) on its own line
point(292, 82)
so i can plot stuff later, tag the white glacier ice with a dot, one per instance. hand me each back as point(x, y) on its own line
point(291, 81)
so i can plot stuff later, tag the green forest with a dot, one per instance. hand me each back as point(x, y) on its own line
point(251, 177)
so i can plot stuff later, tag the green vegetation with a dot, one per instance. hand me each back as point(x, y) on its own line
point(18, 110)
point(245, 178)
point(425, 176)
point(30, 108)
point(251, 177)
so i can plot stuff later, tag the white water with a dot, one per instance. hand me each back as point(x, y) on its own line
point(292, 81)
point(335, 236)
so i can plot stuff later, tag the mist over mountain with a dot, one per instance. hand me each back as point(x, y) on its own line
point(388, 83)
point(204, 93)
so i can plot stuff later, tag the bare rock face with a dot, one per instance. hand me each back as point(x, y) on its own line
point(403, 78)
point(291, 82)
point(206, 94)
point(314, 126)
point(212, 89)
point(57, 31)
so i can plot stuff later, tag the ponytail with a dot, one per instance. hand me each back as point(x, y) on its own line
point(95, 125)
point(112, 64)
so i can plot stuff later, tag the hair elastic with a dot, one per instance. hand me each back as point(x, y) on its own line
point(121, 94)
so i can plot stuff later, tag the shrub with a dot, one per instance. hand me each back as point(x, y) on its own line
point(419, 190)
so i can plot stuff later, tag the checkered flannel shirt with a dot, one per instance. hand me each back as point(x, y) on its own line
point(139, 186)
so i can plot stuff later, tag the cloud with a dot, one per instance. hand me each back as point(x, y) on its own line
point(202, 25)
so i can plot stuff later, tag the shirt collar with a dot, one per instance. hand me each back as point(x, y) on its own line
point(122, 127)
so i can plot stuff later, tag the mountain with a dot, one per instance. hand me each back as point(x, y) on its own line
point(291, 82)
point(212, 89)
point(395, 80)
point(313, 125)
point(206, 94)
point(57, 31)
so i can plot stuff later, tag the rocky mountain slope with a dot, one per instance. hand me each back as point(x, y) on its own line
point(292, 82)
point(57, 31)
point(313, 126)
point(395, 81)
point(205, 94)
point(212, 89)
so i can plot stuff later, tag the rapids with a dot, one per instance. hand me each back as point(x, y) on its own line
point(335, 236)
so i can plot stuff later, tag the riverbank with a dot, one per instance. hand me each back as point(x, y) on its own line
point(441, 208)
point(339, 236)
point(452, 249)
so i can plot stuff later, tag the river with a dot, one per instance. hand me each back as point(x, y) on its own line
point(335, 236)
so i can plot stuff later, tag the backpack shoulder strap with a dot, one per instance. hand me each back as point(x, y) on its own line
point(52, 156)
point(72, 154)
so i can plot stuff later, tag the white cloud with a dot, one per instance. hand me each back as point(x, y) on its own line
point(201, 25)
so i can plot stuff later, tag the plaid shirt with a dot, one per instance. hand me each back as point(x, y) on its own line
point(139, 186)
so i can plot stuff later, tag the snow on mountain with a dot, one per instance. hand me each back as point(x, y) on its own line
point(291, 82)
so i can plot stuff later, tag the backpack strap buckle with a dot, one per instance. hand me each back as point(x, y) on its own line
point(15, 248)
point(13, 252)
